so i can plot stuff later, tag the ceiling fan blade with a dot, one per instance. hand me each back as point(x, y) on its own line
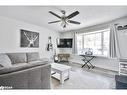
point(73, 14)
point(74, 22)
point(54, 14)
point(54, 21)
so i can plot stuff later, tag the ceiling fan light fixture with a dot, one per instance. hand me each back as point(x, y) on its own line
point(65, 20)
point(63, 24)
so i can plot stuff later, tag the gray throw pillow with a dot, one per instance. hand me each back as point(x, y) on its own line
point(33, 56)
point(17, 57)
point(5, 60)
point(1, 66)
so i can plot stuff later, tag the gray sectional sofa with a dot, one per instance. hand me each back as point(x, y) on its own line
point(27, 71)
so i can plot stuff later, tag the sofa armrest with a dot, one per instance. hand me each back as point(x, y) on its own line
point(37, 77)
point(26, 66)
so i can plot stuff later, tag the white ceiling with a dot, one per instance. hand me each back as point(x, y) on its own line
point(39, 15)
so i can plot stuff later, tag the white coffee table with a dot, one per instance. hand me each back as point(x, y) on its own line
point(62, 70)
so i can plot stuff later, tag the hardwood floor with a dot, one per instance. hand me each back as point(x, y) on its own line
point(82, 78)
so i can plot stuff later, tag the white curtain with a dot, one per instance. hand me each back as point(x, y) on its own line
point(74, 47)
point(114, 50)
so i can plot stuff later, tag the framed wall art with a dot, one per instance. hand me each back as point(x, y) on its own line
point(29, 39)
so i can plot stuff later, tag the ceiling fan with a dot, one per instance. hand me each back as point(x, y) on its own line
point(64, 19)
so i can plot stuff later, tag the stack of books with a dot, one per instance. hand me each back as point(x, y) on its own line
point(124, 65)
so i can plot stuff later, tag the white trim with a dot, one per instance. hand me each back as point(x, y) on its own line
point(93, 32)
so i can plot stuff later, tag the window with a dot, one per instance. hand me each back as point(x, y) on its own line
point(97, 41)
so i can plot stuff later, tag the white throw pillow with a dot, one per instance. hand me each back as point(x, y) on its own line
point(5, 60)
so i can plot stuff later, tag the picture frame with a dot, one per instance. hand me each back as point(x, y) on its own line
point(29, 39)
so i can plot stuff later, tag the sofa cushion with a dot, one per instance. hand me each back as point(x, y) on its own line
point(33, 56)
point(19, 64)
point(45, 60)
point(5, 60)
point(17, 57)
point(37, 62)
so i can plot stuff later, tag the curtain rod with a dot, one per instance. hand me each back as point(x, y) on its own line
point(122, 27)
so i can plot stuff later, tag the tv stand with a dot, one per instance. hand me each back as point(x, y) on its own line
point(63, 57)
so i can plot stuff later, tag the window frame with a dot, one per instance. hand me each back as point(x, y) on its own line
point(102, 40)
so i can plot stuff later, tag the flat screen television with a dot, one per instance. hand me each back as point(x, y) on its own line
point(64, 43)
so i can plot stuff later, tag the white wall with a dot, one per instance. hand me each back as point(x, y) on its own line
point(111, 64)
point(10, 37)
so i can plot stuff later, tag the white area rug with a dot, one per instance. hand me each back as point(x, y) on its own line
point(82, 78)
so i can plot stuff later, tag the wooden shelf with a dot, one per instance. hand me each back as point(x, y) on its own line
point(123, 68)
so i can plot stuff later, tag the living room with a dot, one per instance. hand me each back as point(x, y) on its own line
point(90, 53)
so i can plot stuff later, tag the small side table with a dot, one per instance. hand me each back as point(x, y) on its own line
point(87, 60)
